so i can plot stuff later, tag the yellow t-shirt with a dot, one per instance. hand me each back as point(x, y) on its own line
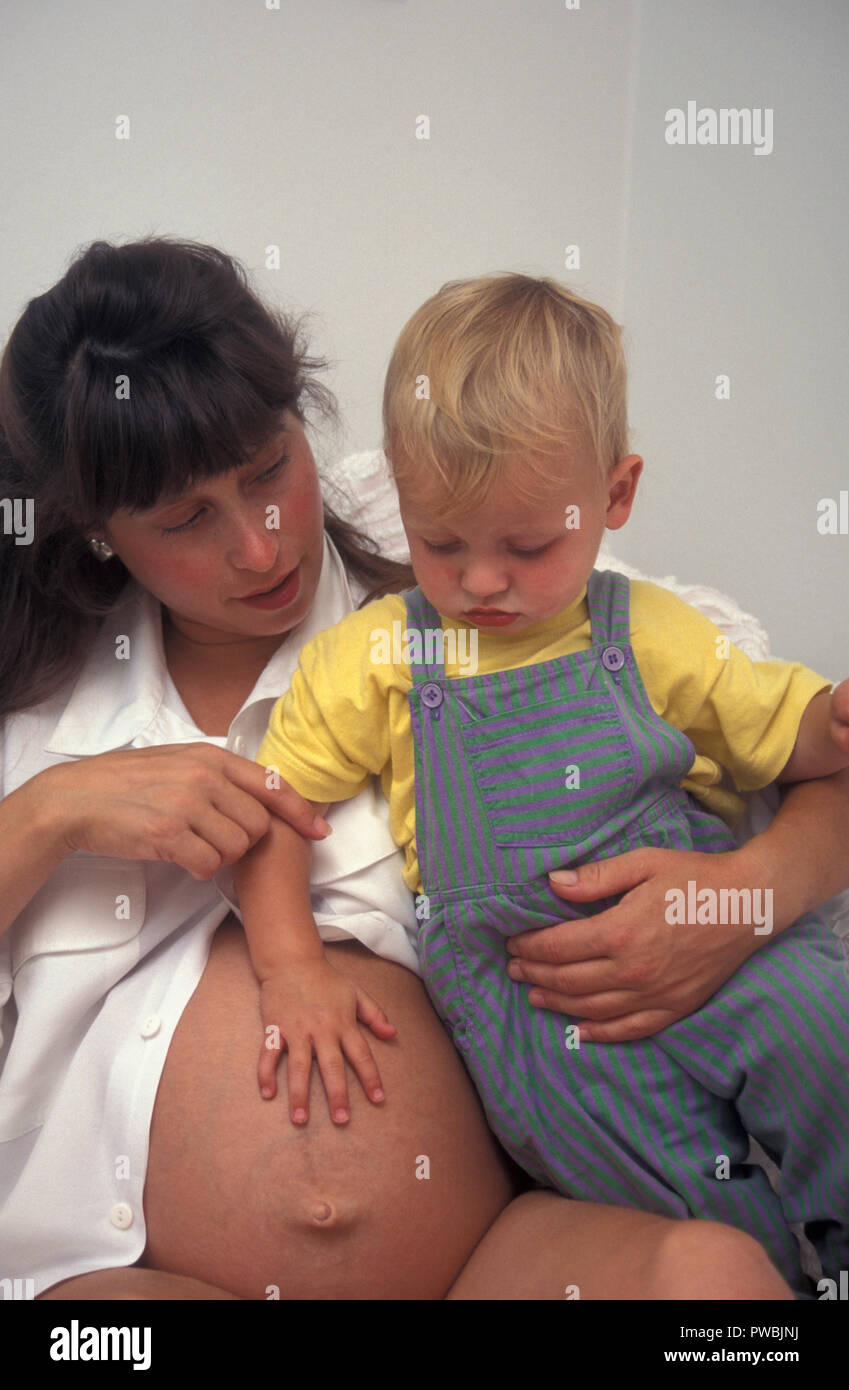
point(346, 716)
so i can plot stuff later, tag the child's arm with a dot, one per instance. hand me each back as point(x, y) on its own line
point(822, 743)
point(307, 1005)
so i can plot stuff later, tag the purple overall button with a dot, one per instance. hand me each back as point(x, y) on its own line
point(432, 695)
point(612, 659)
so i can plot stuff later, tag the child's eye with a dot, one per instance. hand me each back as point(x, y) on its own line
point(538, 550)
point(441, 549)
point(263, 477)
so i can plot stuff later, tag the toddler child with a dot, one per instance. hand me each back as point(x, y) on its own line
point(525, 713)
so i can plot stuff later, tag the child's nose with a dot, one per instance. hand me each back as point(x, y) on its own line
point(484, 578)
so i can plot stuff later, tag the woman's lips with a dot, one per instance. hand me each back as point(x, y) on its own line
point(284, 593)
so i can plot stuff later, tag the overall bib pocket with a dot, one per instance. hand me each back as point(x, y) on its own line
point(549, 774)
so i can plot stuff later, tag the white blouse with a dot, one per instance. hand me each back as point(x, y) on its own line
point(97, 969)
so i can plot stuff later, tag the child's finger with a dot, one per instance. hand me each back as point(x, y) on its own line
point(370, 1012)
point(358, 1053)
point(298, 1070)
point(269, 1061)
point(332, 1068)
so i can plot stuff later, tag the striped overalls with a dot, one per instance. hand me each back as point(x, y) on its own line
point(554, 765)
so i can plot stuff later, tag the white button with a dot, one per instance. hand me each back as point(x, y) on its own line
point(238, 744)
point(121, 1216)
point(151, 1026)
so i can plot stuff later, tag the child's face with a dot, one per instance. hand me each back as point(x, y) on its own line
point(510, 563)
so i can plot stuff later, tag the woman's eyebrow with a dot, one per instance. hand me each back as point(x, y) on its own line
point(166, 501)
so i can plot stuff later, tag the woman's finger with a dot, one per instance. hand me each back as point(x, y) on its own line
point(592, 1007)
point(629, 1027)
point(604, 878)
point(270, 788)
point(244, 792)
point(584, 977)
point(564, 943)
point(206, 840)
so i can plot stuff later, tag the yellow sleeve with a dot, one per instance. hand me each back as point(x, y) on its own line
point(743, 715)
point(330, 732)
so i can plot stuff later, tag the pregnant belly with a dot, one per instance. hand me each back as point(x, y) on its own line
point(388, 1206)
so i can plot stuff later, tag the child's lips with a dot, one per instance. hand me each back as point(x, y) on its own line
point(489, 617)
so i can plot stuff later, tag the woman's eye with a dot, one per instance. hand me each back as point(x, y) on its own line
point(441, 549)
point(184, 525)
point(264, 477)
point(273, 470)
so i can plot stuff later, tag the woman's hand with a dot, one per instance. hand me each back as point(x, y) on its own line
point(309, 1007)
point(626, 973)
point(192, 804)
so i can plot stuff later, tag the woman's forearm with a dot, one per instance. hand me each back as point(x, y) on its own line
point(802, 855)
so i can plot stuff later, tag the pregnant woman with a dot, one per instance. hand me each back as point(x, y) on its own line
point(165, 554)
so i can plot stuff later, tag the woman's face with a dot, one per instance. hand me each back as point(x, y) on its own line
point(256, 528)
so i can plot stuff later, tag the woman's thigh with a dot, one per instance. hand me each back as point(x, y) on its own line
point(390, 1205)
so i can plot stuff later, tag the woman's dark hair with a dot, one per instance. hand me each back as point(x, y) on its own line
point(147, 368)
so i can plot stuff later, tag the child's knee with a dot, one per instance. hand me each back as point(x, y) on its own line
point(706, 1260)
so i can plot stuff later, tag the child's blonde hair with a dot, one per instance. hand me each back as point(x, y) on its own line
point(495, 366)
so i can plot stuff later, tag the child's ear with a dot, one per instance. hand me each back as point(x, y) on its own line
point(621, 490)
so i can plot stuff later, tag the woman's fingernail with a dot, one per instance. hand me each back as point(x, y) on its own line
point(378, 1095)
point(300, 1117)
point(514, 970)
point(340, 1116)
point(565, 876)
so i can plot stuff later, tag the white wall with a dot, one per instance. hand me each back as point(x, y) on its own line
point(252, 126)
point(736, 263)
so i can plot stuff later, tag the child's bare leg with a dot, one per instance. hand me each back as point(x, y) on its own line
point(546, 1247)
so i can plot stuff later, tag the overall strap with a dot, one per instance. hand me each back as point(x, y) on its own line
point(423, 637)
point(608, 600)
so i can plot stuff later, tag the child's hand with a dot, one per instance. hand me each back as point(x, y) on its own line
point(309, 1007)
point(840, 715)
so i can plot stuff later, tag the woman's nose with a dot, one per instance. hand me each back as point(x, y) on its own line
point(252, 545)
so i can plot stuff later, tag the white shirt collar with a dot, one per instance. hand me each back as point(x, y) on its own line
point(118, 697)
